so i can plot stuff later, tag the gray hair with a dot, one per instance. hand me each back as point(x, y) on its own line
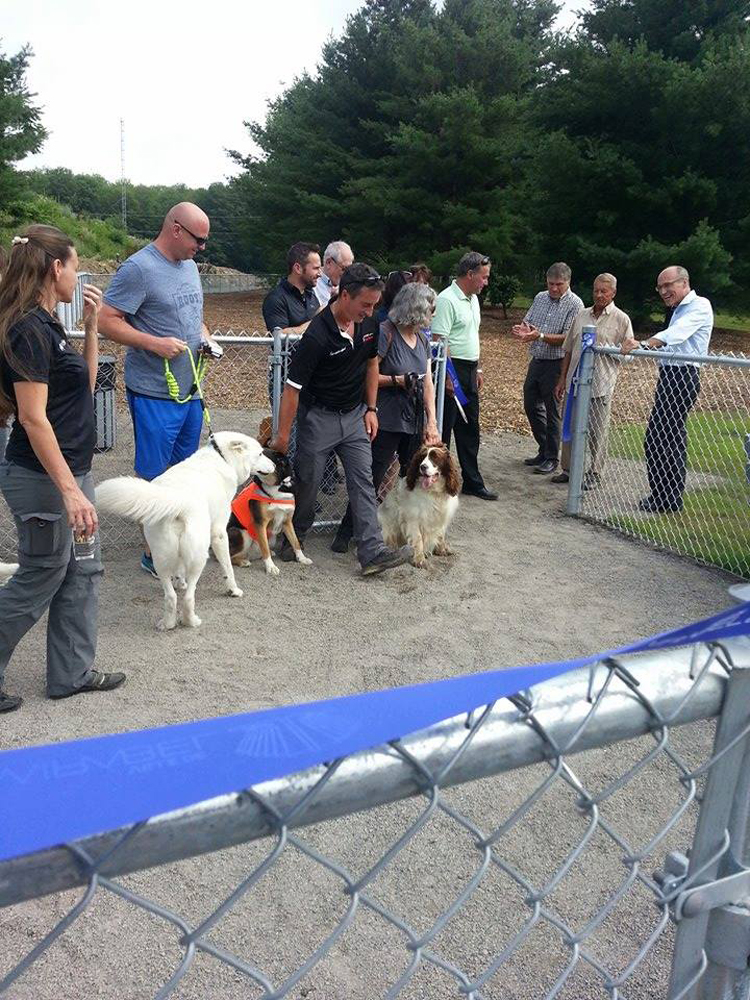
point(560, 271)
point(413, 306)
point(607, 278)
point(682, 272)
point(334, 250)
point(470, 262)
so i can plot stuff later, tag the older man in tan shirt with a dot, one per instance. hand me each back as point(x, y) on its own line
point(613, 326)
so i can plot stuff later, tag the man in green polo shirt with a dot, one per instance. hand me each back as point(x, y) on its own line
point(457, 319)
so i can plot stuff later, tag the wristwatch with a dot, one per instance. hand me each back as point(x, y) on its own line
point(541, 335)
point(372, 409)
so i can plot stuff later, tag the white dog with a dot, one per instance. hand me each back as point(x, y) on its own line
point(185, 510)
point(420, 507)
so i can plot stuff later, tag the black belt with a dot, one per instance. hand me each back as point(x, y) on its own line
point(332, 409)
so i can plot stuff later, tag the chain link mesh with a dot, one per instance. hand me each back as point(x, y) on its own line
point(481, 884)
point(668, 458)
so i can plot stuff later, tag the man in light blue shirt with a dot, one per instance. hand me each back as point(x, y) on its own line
point(688, 335)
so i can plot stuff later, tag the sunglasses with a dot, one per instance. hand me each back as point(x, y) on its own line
point(200, 240)
point(369, 281)
point(408, 275)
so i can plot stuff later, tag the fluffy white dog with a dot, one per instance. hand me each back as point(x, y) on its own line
point(420, 507)
point(185, 510)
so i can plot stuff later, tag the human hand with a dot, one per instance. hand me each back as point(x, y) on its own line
point(81, 512)
point(279, 444)
point(559, 391)
point(524, 331)
point(431, 434)
point(371, 424)
point(629, 344)
point(168, 347)
point(92, 303)
point(480, 381)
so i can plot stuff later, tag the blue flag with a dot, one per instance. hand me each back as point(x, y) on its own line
point(457, 390)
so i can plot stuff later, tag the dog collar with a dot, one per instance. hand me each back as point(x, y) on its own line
point(215, 446)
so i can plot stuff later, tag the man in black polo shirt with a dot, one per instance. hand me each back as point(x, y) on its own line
point(332, 387)
point(293, 302)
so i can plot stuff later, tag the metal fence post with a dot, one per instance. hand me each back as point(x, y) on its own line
point(581, 390)
point(708, 934)
point(277, 362)
point(440, 359)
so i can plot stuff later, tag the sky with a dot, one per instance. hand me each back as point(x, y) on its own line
point(183, 76)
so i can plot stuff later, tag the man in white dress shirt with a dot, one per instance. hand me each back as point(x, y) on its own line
point(688, 333)
point(336, 258)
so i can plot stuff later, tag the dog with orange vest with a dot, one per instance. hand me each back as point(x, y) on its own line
point(260, 511)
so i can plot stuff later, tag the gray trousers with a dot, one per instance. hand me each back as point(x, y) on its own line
point(320, 432)
point(49, 577)
point(598, 436)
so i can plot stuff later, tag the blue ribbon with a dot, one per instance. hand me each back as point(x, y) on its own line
point(588, 339)
point(62, 792)
point(457, 390)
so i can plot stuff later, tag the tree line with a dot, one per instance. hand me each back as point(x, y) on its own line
point(426, 130)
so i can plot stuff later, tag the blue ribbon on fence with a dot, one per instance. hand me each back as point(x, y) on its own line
point(58, 793)
point(588, 339)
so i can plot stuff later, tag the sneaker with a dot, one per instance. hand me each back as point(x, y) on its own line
point(9, 702)
point(387, 559)
point(99, 682)
point(147, 565)
point(544, 468)
point(535, 460)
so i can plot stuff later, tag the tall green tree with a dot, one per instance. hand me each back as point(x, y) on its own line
point(21, 129)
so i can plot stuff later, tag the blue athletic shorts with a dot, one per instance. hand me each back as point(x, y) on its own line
point(165, 432)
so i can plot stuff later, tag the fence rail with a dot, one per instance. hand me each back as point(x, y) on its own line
point(485, 889)
point(677, 454)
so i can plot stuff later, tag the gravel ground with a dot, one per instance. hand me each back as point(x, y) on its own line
point(525, 584)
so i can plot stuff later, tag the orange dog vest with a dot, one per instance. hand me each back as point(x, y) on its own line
point(241, 506)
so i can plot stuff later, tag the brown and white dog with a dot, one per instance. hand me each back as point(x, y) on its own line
point(420, 507)
point(260, 511)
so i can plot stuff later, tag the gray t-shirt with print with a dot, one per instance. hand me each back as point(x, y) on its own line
point(397, 410)
point(163, 298)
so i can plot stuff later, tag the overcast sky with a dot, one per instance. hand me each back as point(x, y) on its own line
point(183, 75)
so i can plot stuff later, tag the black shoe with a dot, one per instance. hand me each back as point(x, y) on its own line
point(561, 477)
point(483, 493)
point(387, 559)
point(9, 702)
point(536, 460)
point(286, 553)
point(99, 682)
point(341, 541)
point(547, 466)
point(590, 481)
point(650, 505)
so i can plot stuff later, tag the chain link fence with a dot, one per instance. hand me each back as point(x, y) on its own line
point(666, 455)
point(585, 838)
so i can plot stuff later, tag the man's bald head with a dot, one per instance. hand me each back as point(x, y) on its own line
point(184, 231)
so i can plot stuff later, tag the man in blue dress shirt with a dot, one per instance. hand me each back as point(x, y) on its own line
point(688, 334)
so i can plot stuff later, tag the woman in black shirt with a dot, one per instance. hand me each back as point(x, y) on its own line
point(46, 475)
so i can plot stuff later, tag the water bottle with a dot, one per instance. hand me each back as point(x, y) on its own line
point(84, 546)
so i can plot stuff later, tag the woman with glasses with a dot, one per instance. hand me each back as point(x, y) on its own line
point(46, 476)
point(406, 394)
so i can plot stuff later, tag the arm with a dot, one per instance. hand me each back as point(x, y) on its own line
point(560, 387)
point(31, 398)
point(287, 413)
point(114, 326)
point(431, 433)
point(92, 303)
point(683, 327)
point(371, 396)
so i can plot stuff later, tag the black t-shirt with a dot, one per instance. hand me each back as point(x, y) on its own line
point(41, 349)
point(328, 367)
point(286, 306)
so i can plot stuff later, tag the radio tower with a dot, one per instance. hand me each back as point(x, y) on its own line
point(123, 185)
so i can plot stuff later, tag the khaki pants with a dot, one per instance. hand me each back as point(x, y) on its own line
point(599, 412)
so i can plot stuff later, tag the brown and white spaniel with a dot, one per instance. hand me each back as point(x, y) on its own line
point(420, 507)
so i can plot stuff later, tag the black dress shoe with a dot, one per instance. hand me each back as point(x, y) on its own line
point(9, 702)
point(483, 493)
point(547, 466)
point(536, 460)
point(99, 682)
point(341, 542)
point(650, 505)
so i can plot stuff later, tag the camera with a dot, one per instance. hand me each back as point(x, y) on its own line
point(210, 349)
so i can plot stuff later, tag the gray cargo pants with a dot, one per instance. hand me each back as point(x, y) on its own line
point(49, 577)
point(318, 433)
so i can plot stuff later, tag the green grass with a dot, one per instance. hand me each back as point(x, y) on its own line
point(714, 525)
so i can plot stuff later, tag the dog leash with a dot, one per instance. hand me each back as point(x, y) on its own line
point(199, 373)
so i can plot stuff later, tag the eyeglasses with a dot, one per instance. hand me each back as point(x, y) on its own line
point(407, 275)
point(666, 284)
point(200, 240)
